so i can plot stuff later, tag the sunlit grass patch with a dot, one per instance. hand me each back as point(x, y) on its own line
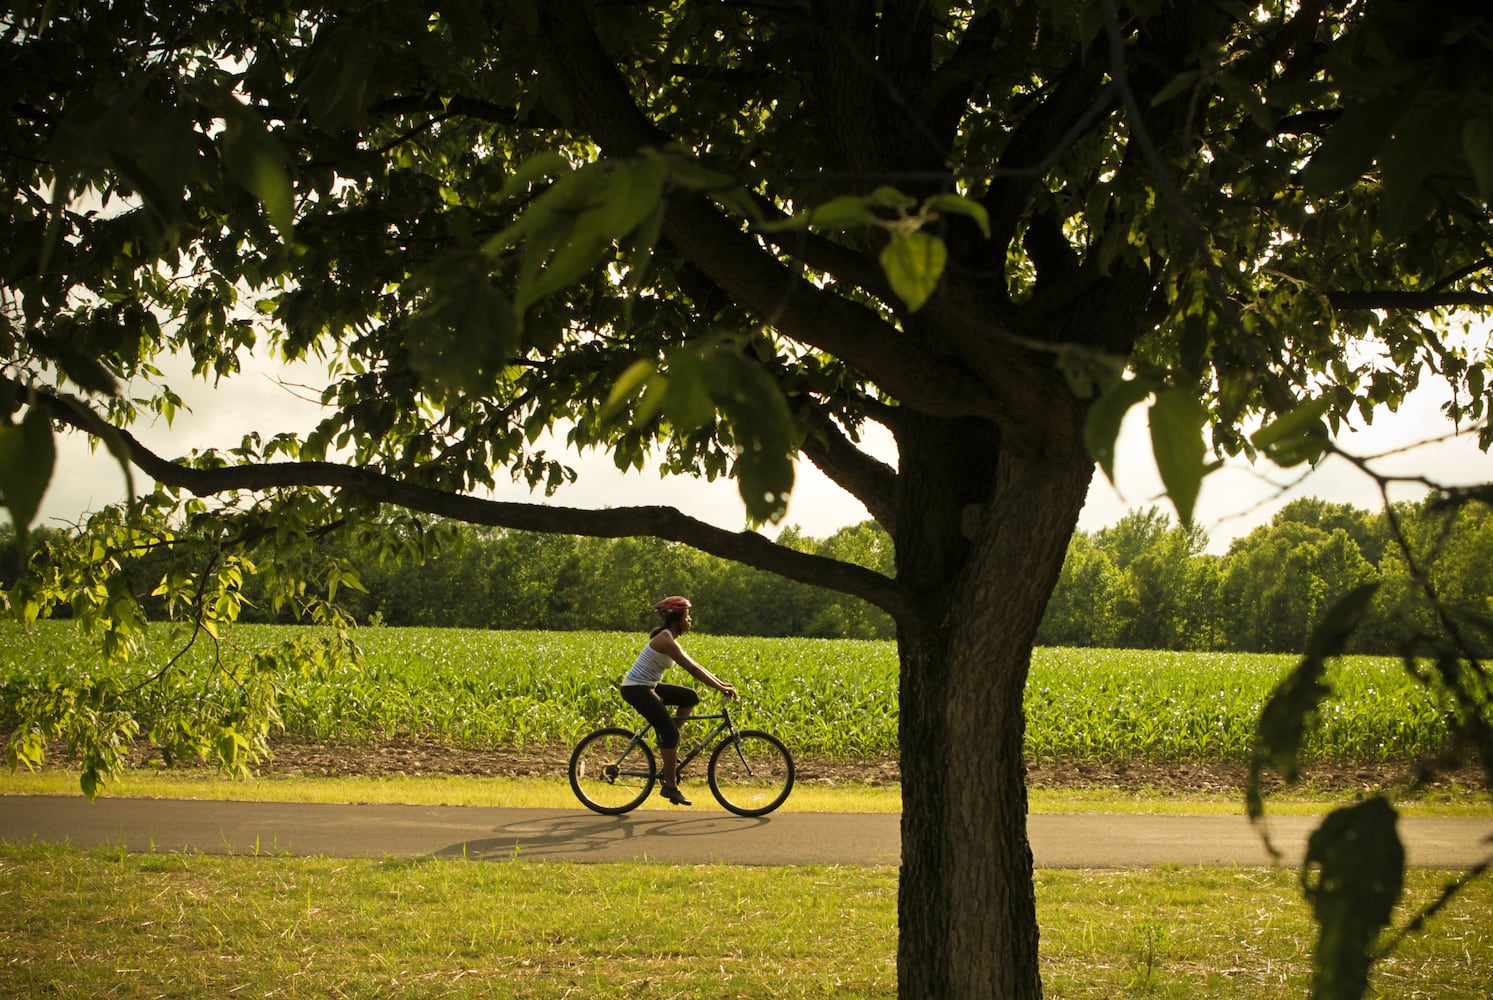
point(108, 923)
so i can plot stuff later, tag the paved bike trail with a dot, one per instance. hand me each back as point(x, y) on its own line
point(699, 835)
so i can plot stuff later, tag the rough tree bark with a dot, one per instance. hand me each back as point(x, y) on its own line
point(967, 912)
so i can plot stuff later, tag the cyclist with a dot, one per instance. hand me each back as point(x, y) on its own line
point(641, 687)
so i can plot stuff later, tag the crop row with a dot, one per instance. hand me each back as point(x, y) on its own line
point(836, 697)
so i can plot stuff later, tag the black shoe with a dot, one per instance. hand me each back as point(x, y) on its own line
point(673, 794)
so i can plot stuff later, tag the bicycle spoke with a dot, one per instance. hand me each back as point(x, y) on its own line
point(752, 773)
point(611, 772)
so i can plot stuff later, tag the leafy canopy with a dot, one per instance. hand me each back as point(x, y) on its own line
point(447, 204)
point(723, 236)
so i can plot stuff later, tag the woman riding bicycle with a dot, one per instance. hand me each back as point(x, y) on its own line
point(641, 687)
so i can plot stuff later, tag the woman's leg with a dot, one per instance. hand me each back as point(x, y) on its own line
point(683, 701)
point(651, 706)
point(678, 697)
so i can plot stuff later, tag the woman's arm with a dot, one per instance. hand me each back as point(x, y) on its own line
point(668, 645)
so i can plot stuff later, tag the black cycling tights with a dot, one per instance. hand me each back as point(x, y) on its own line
point(653, 703)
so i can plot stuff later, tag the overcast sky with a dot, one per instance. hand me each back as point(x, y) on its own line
point(1233, 500)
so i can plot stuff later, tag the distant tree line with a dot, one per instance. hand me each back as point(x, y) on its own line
point(502, 579)
point(1145, 583)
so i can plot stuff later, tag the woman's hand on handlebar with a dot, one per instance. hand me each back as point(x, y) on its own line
point(728, 691)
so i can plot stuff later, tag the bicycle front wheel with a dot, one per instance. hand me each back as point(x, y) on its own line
point(751, 773)
point(612, 771)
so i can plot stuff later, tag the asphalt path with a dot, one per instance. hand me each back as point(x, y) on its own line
point(701, 835)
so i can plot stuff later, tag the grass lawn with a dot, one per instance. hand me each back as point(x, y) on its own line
point(105, 923)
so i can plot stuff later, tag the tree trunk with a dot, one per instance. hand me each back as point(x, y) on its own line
point(967, 911)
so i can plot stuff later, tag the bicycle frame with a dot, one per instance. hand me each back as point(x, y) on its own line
point(725, 725)
point(613, 769)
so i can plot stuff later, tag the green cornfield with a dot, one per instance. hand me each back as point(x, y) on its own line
point(832, 697)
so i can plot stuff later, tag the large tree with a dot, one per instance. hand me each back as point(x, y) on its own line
point(726, 235)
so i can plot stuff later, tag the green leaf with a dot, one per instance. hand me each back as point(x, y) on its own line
point(1477, 146)
point(889, 197)
point(258, 163)
point(1101, 427)
point(26, 748)
point(1421, 142)
point(1089, 372)
point(1242, 92)
point(1281, 730)
point(568, 228)
point(957, 204)
point(852, 210)
point(644, 238)
point(230, 746)
point(336, 83)
point(27, 457)
point(1177, 420)
point(164, 153)
point(534, 169)
point(685, 170)
point(1330, 636)
point(1353, 875)
point(464, 334)
point(654, 394)
point(761, 427)
point(1178, 84)
point(116, 445)
point(628, 384)
point(913, 263)
point(1295, 437)
point(90, 782)
point(84, 367)
point(838, 213)
point(631, 195)
point(687, 400)
point(1351, 145)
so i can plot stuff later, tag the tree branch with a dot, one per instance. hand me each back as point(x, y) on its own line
point(746, 547)
point(445, 106)
point(1078, 102)
point(823, 320)
point(824, 254)
point(1390, 299)
point(843, 35)
point(1461, 274)
point(735, 260)
point(953, 83)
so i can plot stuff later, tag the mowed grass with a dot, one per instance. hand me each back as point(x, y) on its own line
point(85, 924)
point(108, 923)
point(826, 697)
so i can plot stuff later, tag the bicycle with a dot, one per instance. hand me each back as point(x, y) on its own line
point(750, 772)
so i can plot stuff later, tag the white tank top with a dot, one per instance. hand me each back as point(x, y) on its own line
point(648, 669)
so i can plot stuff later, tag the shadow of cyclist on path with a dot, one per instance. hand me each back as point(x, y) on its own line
point(599, 838)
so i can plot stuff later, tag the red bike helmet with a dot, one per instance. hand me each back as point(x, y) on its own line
point(672, 605)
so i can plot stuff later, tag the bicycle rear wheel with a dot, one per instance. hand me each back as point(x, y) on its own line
point(612, 771)
point(751, 773)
